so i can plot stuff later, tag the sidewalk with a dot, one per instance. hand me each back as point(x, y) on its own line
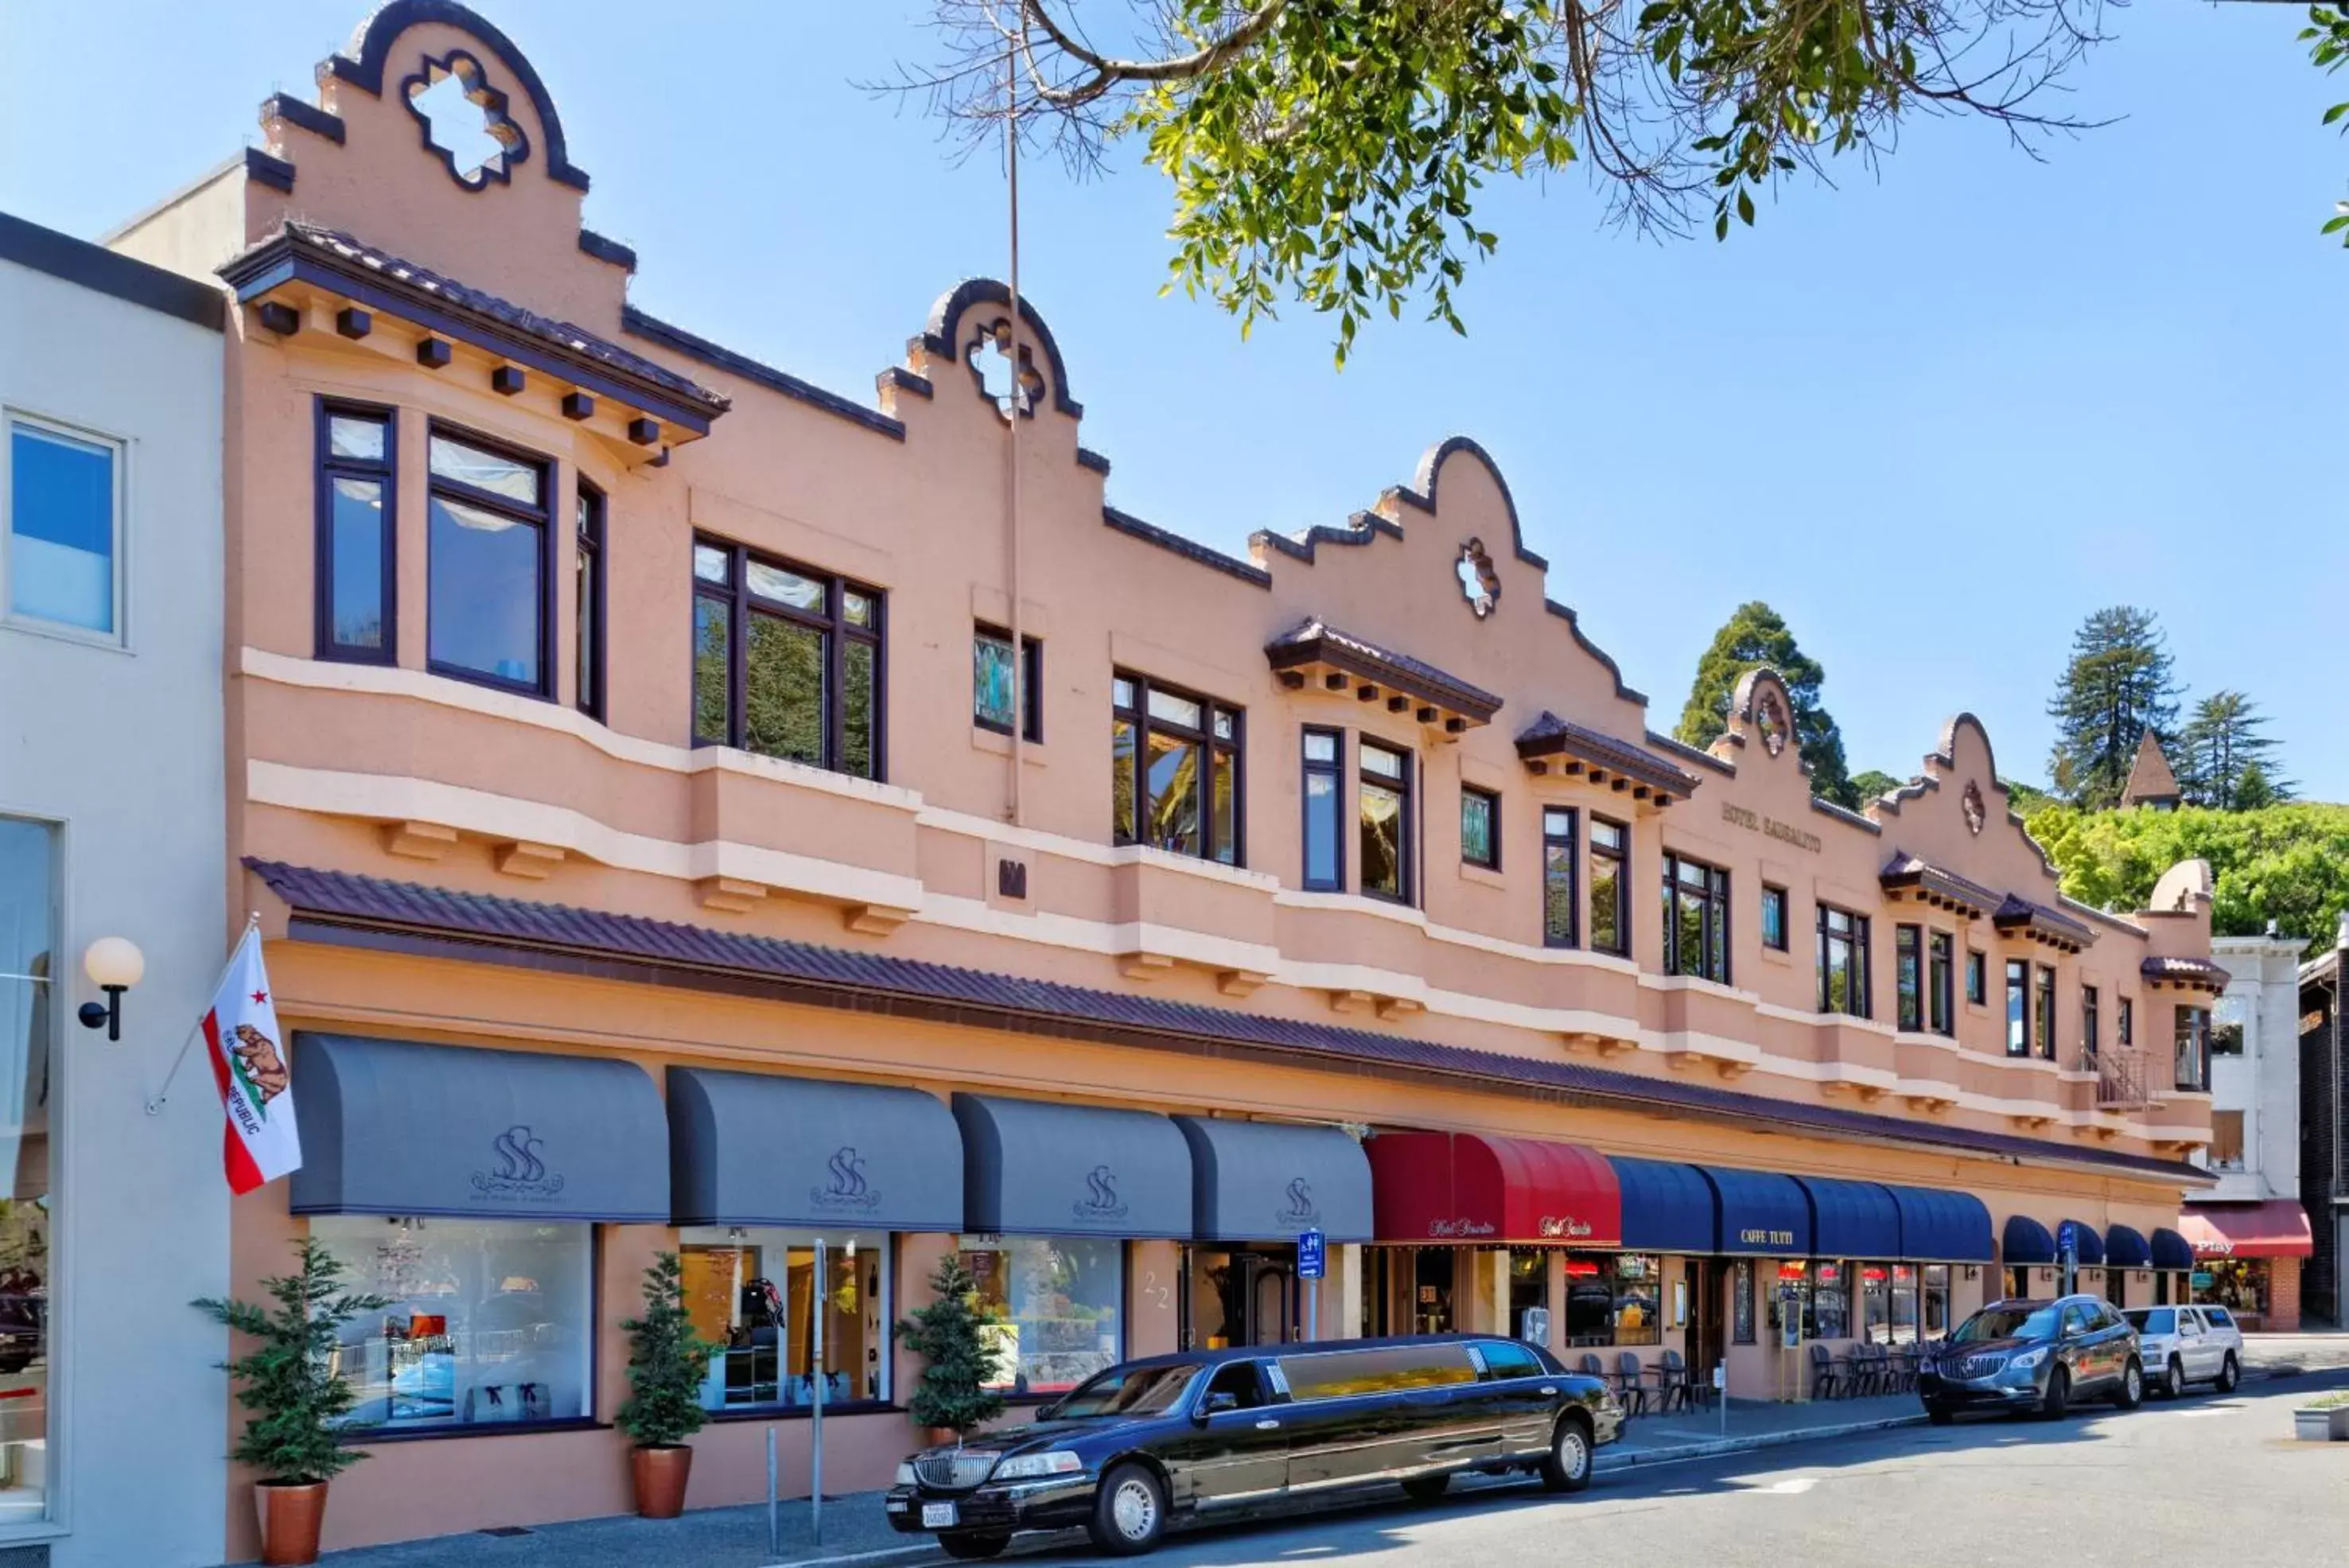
point(856, 1531)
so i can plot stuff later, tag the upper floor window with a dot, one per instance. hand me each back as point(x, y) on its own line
point(2125, 1022)
point(1696, 919)
point(2018, 1007)
point(1325, 841)
point(2091, 1025)
point(1384, 811)
point(2043, 1025)
point(1941, 1009)
point(1843, 962)
point(1977, 977)
point(2227, 1026)
point(1908, 976)
point(2226, 1140)
point(1176, 761)
point(1560, 909)
point(1480, 828)
point(358, 449)
point(486, 556)
point(2193, 1046)
point(992, 683)
point(1774, 934)
point(1610, 888)
point(64, 535)
point(786, 662)
point(587, 601)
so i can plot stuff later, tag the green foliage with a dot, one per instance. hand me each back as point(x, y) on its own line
point(1868, 783)
point(299, 1405)
point(1755, 635)
point(666, 1363)
point(2022, 799)
point(2288, 863)
point(2117, 687)
point(2327, 37)
point(2224, 757)
point(953, 1337)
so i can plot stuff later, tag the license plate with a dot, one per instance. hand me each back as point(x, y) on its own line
point(937, 1515)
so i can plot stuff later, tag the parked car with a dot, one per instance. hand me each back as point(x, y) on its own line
point(1213, 1433)
point(2035, 1355)
point(2184, 1344)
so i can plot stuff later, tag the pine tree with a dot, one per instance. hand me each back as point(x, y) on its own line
point(300, 1404)
point(2224, 741)
point(953, 1335)
point(2118, 686)
point(1756, 635)
point(666, 1363)
point(2254, 792)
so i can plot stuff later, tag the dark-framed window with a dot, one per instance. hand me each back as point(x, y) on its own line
point(1909, 977)
point(1175, 756)
point(1941, 1012)
point(992, 683)
point(1741, 1302)
point(1383, 814)
point(587, 595)
point(2091, 1025)
point(2125, 1026)
point(1480, 828)
point(1977, 977)
point(1324, 757)
point(357, 480)
point(1610, 888)
point(1842, 962)
point(2018, 1007)
point(2191, 1035)
point(1696, 918)
point(1561, 908)
point(1774, 934)
point(787, 660)
point(489, 605)
point(2044, 1023)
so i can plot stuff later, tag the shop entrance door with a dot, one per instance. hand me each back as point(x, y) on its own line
point(1705, 1347)
point(1432, 1285)
point(1241, 1296)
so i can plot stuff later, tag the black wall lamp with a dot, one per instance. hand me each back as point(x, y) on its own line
point(114, 965)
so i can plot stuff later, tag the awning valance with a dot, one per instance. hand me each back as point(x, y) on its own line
point(752, 1148)
point(2171, 1250)
point(1852, 1219)
point(399, 1126)
point(1270, 1180)
point(2125, 1248)
point(1668, 1207)
point(1937, 1226)
point(2275, 1229)
point(2087, 1243)
point(1763, 1212)
point(1464, 1188)
point(1040, 1167)
point(2026, 1240)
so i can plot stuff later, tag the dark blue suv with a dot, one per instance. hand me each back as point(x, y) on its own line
point(2034, 1356)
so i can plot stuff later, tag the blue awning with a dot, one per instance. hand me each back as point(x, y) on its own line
point(2125, 1248)
point(2088, 1244)
point(1853, 1218)
point(2026, 1241)
point(2171, 1250)
point(1763, 1213)
point(1668, 1207)
point(1940, 1227)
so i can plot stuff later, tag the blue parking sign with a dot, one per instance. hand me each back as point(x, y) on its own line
point(1311, 1254)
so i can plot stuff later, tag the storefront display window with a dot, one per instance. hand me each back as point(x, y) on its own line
point(753, 1291)
point(2239, 1285)
point(1936, 1302)
point(1823, 1292)
point(28, 938)
point(490, 1321)
point(1614, 1298)
point(1528, 1287)
point(1889, 1294)
point(1064, 1298)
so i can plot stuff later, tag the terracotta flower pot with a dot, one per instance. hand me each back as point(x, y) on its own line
point(661, 1474)
point(291, 1513)
point(941, 1437)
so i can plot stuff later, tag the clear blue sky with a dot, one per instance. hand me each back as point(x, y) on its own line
point(1948, 410)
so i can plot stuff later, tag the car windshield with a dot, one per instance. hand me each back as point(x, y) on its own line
point(1126, 1391)
point(2007, 1323)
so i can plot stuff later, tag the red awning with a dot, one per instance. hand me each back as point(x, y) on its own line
point(1462, 1187)
point(2275, 1229)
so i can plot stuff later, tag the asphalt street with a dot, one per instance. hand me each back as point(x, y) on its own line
point(2204, 1479)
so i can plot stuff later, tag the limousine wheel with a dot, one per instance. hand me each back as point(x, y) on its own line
point(1427, 1488)
point(1129, 1511)
point(1568, 1468)
point(975, 1545)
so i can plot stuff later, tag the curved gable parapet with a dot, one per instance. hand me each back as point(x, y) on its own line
point(1422, 491)
point(1764, 685)
point(937, 336)
point(364, 57)
point(1945, 755)
point(1359, 529)
point(1606, 659)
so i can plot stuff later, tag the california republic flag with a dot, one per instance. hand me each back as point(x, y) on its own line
point(248, 1063)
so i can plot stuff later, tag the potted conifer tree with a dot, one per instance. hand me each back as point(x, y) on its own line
point(667, 1364)
point(953, 1337)
point(299, 1403)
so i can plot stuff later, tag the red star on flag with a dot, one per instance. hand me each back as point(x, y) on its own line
point(259, 996)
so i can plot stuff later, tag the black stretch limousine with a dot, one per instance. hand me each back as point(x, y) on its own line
point(1202, 1432)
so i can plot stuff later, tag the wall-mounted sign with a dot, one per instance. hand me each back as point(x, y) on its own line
point(1533, 1326)
point(1554, 1226)
point(1766, 1238)
point(1449, 1229)
point(1770, 826)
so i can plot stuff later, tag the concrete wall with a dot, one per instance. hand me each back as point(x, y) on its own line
point(2263, 1083)
point(122, 746)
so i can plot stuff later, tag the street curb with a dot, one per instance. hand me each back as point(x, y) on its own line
point(1635, 1458)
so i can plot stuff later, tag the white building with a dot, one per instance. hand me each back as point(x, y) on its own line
point(2250, 1231)
point(111, 823)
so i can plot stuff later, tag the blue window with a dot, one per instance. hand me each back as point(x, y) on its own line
point(64, 527)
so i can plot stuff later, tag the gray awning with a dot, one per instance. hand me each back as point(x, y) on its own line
point(750, 1148)
point(1036, 1168)
point(1256, 1181)
point(396, 1127)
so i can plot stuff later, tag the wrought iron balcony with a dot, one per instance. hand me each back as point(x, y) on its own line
point(2120, 1077)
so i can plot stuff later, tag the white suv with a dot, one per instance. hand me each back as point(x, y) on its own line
point(2184, 1344)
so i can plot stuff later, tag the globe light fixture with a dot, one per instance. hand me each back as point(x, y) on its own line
point(114, 965)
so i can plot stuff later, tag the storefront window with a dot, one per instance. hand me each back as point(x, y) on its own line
point(1614, 1298)
point(27, 937)
point(2239, 1285)
point(1433, 1273)
point(1936, 1299)
point(1528, 1287)
point(1824, 1291)
point(754, 1292)
point(491, 1322)
point(1889, 1292)
point(1065, 1300)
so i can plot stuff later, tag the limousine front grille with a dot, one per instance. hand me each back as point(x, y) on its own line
point(958, 1470)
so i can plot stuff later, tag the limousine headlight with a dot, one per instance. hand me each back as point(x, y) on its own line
point(1027, 1466)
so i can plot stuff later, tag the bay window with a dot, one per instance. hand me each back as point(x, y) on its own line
point(1696, 919)
point(753, 1291)
point(1610, 888)
point(2091, 1026)
point(1843, 962)
point(1907, 977)
point(1560, 909)
point(2044, 1022)
point(355, 477)
point(489, 617)
point(1940, 1005)
point(786, 662)
point(1175, 760)
point(2018, 1007)
point(1383, 806)
point(1325, 844)
point(2192, 1036)
point(587, 602)
point(1063, 1302)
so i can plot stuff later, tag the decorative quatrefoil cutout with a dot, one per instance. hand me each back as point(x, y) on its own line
point(464, 119)
point(989, 359)
point(1479, 584)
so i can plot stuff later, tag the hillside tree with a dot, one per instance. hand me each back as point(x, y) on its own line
point(2118, 685)
point(2287, 863)
point(1752, 636)
point(2225, 739)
